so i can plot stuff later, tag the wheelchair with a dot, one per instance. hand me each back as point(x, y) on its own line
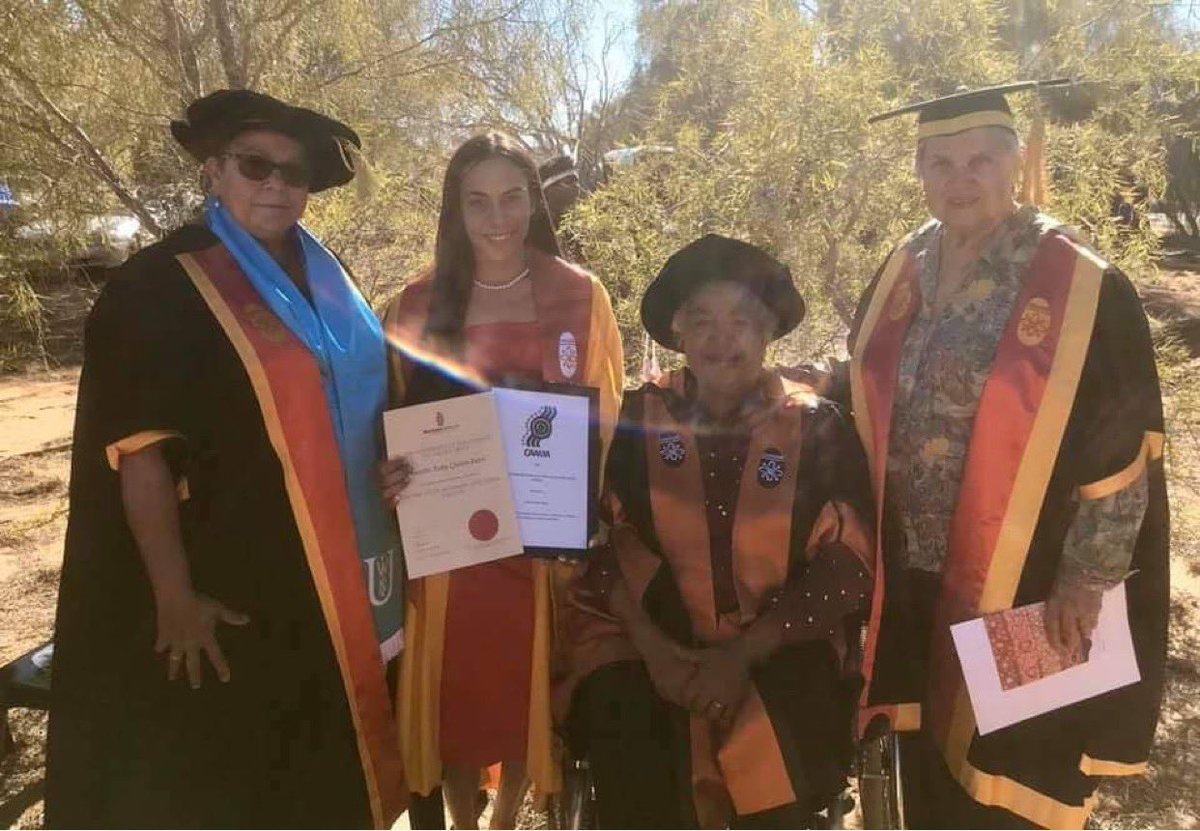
point(575, 806)
point(879, 790)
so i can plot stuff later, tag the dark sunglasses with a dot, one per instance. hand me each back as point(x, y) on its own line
point(258, 169)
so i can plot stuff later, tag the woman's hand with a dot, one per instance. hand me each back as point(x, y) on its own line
point(817, 375)
point(1071, 615)
point(721, 682)
point(187, 624)
point(394, 475)
point(670, 665)
point(671, 668)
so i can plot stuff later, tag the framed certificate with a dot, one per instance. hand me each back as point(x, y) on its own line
point(552, 443)
point(496, 474)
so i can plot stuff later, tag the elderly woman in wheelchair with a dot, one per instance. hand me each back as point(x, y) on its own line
point(713, 644)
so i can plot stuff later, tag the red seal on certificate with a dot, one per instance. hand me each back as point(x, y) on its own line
point(483, 525)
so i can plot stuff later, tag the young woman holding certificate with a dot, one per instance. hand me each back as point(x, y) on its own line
point(499, 307)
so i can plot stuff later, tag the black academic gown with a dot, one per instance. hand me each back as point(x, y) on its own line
point(274, 747)
point(1056, 758)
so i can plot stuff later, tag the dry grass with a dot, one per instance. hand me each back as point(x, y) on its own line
point(22, 784)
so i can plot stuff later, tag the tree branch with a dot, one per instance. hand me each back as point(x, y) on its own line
point(179, 47)
point(99, 164)
point(105, 26)
point(300, 10)
point(441, 31)
point(235, 72)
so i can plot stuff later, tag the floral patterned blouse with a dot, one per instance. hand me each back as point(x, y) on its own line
point(945, 361)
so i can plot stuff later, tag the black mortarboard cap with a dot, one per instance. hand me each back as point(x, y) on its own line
point(967, 109)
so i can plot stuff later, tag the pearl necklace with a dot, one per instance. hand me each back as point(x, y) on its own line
point(503, 286)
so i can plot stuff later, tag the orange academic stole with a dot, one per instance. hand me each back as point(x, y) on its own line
point(1018, 430)
point(287, 384)
point(742, 767)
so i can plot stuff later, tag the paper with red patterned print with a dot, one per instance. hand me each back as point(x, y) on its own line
point(1023, 652)
point(1013, 673)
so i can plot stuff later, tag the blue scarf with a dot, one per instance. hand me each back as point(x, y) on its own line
point(346, 340)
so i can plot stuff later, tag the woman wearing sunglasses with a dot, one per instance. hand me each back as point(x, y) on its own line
point(229, 602)
point(501, 306)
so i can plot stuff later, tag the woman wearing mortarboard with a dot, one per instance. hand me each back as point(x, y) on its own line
point(1004, 387)
point(230, 593)
point(713, 649)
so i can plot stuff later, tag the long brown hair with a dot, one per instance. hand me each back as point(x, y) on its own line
point(454, 264)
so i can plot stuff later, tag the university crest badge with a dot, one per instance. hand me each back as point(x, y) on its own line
point(1035, 322)
point(568, 355)
point(771, 468)
point(671, 449)
point(265, 321)
point(380, 578)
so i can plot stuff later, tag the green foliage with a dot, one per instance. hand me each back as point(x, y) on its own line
point(764, 102)
point(87, 88)
point(766, 105)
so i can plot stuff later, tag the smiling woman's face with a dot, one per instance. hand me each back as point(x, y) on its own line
point(268, 209)
point(723, 330)
point(969, 178)
point(496, 209)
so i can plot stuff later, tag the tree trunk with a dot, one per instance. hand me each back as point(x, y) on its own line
point(179, 47)
point(1173, 214)
point(843, 305)
point(235, 70)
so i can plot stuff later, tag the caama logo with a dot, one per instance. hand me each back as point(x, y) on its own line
point(538, 428)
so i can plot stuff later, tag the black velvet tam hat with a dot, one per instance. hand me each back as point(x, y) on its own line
point(966, 110)
point(216, 119)
point(713, 258)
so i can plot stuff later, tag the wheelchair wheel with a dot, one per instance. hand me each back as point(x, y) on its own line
point(879, 789)
point(575, 806)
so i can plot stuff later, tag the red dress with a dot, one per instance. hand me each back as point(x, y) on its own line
point(486, 659)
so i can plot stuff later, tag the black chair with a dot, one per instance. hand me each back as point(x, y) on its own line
point(24, 682)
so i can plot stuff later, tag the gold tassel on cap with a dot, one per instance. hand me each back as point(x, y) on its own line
point(366, 182)
point(1034, 184)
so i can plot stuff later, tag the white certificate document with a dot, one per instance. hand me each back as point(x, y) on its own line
point(1013, 673)
point(547, 441)
point(457, 509)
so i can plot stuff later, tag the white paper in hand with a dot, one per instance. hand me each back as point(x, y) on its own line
point(1013, 673)
point(546, 444)
point(457, 510)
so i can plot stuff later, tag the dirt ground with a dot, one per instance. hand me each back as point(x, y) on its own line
point(36, 416)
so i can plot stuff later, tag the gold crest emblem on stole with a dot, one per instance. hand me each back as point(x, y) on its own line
point(265, 322)
point(1035, 321)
